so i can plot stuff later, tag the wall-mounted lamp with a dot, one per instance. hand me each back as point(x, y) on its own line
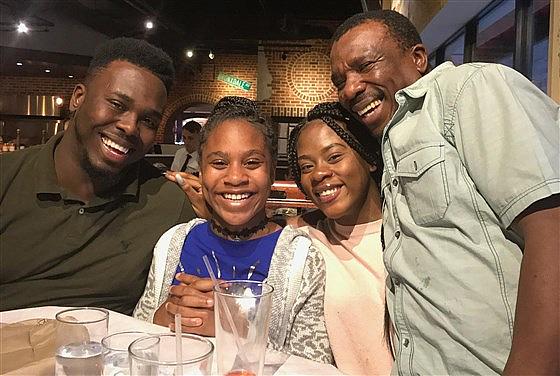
point(149, 24)
point(211, 55)
point(58, 101)
point(190, 53)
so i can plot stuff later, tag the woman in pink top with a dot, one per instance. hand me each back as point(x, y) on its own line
point(336, 163)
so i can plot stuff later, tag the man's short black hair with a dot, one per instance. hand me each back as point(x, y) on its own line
point(399, 26)
point(135, 51)
point(192, 127)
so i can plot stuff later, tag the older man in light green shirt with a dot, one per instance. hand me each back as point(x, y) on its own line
point(471, 210)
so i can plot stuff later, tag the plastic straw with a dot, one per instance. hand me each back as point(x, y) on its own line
point(226, 310)
point(178, 345)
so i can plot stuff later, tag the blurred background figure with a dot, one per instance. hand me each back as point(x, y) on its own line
point(186, 159)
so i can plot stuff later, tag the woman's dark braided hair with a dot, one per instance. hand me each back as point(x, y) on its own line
point(232, 107)
point(331, 112)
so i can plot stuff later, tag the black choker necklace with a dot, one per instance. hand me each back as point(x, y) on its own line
point(238, 235)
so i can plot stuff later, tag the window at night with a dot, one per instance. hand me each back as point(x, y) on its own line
point(541, 21)
point(495, 37)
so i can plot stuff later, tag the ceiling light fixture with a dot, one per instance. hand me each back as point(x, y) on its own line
point(70, 76)
point(22, 27)
point(149, 24)
point(190, 53)
point(47, 71)
point(211, 55)
point(19, 63)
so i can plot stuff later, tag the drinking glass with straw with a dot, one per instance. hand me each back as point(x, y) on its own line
point(229, 317)
point(154, 355)
point(241, 348)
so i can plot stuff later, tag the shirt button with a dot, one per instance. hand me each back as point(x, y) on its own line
point(395, 182)
point(397, 234)
point(405, 342)
point(81, 211)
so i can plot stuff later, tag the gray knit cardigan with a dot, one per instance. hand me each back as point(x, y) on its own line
point(297, 273)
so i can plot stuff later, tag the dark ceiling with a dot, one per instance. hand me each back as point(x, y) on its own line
point(234, 26)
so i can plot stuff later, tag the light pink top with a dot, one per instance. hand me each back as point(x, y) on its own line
point(355, 296)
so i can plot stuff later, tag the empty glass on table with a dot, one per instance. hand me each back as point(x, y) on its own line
point(115, 352)
point(157, 355)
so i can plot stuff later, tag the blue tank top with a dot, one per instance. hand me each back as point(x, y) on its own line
point(230, 259)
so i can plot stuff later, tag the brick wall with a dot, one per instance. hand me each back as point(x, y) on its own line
point(300, 73)
point(198, 83)
point(24, 85)
point(300, 77)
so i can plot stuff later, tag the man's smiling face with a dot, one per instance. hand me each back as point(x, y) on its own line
point(368, 67)
point(117, 115)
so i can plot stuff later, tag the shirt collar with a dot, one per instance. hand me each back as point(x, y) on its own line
point(46, 181)
point(45, 174)
point(416, 91)
point(420, 87)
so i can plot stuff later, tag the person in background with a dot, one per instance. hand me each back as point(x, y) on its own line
point(471, 208)
point(237, 154)
point(80, 215)
point(186, 159)
point(336, 163)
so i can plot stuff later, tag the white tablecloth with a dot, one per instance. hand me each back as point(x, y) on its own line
point(118, 322)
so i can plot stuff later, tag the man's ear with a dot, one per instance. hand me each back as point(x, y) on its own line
point(420, 58)
point(78, 97)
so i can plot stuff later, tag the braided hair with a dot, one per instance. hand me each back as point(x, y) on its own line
point(331, 113)
point(232, 107)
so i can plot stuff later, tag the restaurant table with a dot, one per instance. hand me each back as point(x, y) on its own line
point(293, 365)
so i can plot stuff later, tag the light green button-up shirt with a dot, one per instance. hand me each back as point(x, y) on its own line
point(469, 148)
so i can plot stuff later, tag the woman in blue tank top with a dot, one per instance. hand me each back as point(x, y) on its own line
point(237, 164)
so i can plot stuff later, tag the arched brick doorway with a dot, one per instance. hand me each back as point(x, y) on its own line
point(198, 111)
point(179, 109)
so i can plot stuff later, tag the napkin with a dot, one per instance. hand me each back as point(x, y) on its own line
point(25, 343)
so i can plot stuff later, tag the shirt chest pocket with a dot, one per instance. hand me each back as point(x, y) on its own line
point(423, 181)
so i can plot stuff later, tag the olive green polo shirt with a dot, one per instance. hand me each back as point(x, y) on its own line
point(57, 250)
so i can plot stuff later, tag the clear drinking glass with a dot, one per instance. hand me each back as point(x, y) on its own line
point(245, 305)
point(156, 355)
point(115, 352)
point(79, 332)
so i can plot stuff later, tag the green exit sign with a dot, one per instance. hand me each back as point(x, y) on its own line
point(234, 81)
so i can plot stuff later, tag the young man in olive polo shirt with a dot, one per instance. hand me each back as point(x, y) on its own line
point(81, 214)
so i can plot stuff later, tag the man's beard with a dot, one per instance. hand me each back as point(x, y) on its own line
point(98, 175)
